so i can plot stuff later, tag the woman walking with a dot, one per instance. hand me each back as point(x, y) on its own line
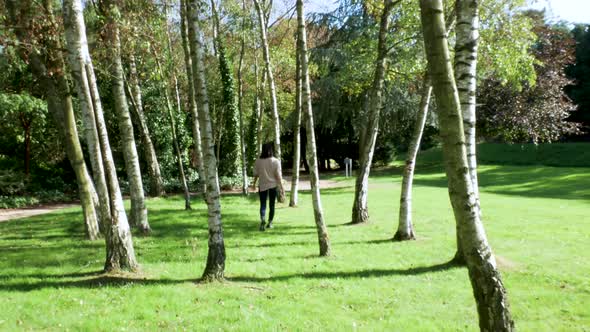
point(267, 168)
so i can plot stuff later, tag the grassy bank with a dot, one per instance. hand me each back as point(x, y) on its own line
point(555, 154)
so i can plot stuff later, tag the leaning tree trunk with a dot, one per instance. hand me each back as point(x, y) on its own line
point(489, 292)
point(241, 104)
point(405, 229)
point(153, 167)
point(191, 95)
point(120, 253)
point(216, 255)
point(49, 68)
point(360, 210)
point(467, 36)
point(172, 73)
point(296, 134)
point(271, 80)
point(139, 216)
point(323, 238)
point(187, 197)
point(78, 58)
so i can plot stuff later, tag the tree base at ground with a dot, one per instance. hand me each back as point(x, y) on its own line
point(404, 236)
point(459, 259)
point(215, 263)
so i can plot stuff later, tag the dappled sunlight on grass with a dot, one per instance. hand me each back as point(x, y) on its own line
point(535, 217)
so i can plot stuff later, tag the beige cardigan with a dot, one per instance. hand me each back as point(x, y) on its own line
point(268, 171)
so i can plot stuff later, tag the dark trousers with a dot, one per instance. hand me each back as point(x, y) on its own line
point(272, 195)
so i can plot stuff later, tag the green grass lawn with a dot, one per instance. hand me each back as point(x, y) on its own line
point(537, 219)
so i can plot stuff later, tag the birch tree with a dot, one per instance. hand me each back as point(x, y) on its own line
point(405, 229)
point(269, 75)
point(172, 72)
point(214, 269)
point(48, 66)
point(488, 289)
point(120, 253)
point(196, 130)
point(177, 152)
point(111, 9)
point(296, 134)
point(467, 36)
point(153, 167)
point(241, 102)
point(322, 230)
point(360, 210)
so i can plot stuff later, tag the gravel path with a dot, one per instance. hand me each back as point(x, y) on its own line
point(9, 214)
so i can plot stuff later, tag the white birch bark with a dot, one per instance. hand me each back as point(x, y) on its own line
point(488, 289)
point(259, 105)
point(139, 216)
point(120, 253)
point(172, 73)
point(322, 230)
point(405, 229)
point(241, 104)
point(153, 167)
point(196, 130)
point(360, 210)
point(467, 36)
point(78, 56)
point(270, 77)
point(182, 176)
point(296, 132)
point(214, 269)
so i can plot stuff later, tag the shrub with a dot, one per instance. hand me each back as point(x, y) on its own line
point(14, 202)
point(230, 182)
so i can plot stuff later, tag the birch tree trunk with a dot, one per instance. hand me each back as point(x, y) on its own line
point(489, 292)
point(138, 208)
point(79, 56)
point(120, 253)
point(48, 67)
point(405, 229)
point(215, 266)
point(241, 104)
point(322, 230)
point(467, 36)
point(153, 167)
point(360, 210)
point(182, 176)
point(59, 104)
point(271, 80)
point(296, 134)
point(259, 105)
point(172, 73)
point(191, 95)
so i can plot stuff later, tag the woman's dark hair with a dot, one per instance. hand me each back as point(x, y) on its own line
point(267, 150)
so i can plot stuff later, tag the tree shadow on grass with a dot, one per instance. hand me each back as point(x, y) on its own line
point(371, 273)
point(125, 281)
point(97, 282)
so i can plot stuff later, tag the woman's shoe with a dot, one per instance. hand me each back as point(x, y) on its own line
point(269, 224)
point(261, 226)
